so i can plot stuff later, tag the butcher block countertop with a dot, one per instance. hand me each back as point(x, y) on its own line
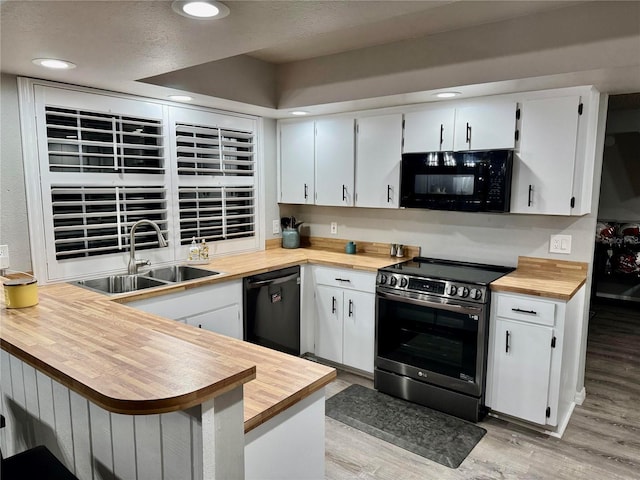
point(102, 351)
point(544, 277)
point(247, 264)
point(129, 361)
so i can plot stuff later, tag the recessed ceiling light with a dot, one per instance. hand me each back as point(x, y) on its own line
point(447, 94)
point(204, 9)
point(299, 113)
point(54, 63)
point(180, 98)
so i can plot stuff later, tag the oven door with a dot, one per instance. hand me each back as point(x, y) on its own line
point(432, 340)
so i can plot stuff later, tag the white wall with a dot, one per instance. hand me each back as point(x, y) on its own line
point(479, 237)
point(14, 229)
point(620, 190)
point(271, 209)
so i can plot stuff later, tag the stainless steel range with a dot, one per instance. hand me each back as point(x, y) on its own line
point(432, 319)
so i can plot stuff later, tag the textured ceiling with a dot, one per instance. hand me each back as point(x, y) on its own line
point(143, 47)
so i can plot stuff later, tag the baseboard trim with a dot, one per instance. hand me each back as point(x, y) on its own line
point(580, 396)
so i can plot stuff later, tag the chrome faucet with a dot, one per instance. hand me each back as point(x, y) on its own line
point(132, 269)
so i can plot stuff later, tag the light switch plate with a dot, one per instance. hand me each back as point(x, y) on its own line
point(276, 227)
point(560, 244)
point(334, 228)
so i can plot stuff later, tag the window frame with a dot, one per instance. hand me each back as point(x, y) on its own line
point(32, 106)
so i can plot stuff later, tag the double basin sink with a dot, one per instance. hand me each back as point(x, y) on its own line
point(155, 277)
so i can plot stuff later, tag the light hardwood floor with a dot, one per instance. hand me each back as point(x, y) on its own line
point(602, 440)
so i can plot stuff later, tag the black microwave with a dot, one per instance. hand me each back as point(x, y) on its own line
point(464, 181)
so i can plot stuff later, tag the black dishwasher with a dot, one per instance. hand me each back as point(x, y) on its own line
point(272, 310)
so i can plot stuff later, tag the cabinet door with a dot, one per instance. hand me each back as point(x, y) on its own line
point(485, 127)
point(378, 154)
point(296, 162)
point(544, 161)
point(429, 131)
point(359, 330)
point(329, 327)
point(226, 321)
point(521, 370)
point(335, 161)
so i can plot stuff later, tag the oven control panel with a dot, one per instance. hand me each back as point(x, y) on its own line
point(442, 288)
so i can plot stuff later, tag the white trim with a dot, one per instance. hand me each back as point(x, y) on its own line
point(580, 396)
point(31, 95)
point(259, 185)
point(29, 131)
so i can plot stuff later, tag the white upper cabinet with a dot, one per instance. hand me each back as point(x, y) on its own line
point(297, 162)
point(378, 154)
point(545, 161)
point(335, 153)
point(486, 126)
point(429, 130)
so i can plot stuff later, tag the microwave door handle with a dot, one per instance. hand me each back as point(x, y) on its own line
point(441, 306)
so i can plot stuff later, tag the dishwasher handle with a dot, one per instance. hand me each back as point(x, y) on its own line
point(273, 281)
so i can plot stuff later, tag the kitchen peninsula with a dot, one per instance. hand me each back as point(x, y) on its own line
point(111, 389)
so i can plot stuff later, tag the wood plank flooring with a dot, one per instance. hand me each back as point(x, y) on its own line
point(602, 440)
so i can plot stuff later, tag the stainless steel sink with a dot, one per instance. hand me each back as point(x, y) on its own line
point(155, 277)
point(120, 283)
point(179, 273)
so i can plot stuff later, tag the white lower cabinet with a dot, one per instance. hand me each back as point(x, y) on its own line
point(217, 307)
point(533, 357)
point(522, 369)
point(345, 317)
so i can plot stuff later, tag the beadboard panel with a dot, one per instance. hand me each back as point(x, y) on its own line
point(90, 441)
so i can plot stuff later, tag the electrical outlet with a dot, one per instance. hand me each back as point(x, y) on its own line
point(334, 228)
point(560, 244)
point(4, 256)
point(276, 227)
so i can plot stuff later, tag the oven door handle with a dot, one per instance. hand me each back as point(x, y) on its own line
point(463, 309)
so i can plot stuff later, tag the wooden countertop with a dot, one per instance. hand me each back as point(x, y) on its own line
point(544, 277)
point(128, 361)
point(247, 264)
point(102, 351)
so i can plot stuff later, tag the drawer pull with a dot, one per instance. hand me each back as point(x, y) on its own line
point(506, 343)
point(342, 280)
point(530, 312)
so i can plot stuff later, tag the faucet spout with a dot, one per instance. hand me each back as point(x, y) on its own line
point(132, 268)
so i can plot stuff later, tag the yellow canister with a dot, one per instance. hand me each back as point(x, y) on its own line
point(20, 292)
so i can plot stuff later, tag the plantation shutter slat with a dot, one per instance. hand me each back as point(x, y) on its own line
point(90, 221)
point(86, 141)
point(216, 213)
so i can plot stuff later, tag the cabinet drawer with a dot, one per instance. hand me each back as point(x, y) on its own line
point(345, 278)
point(526, 309)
